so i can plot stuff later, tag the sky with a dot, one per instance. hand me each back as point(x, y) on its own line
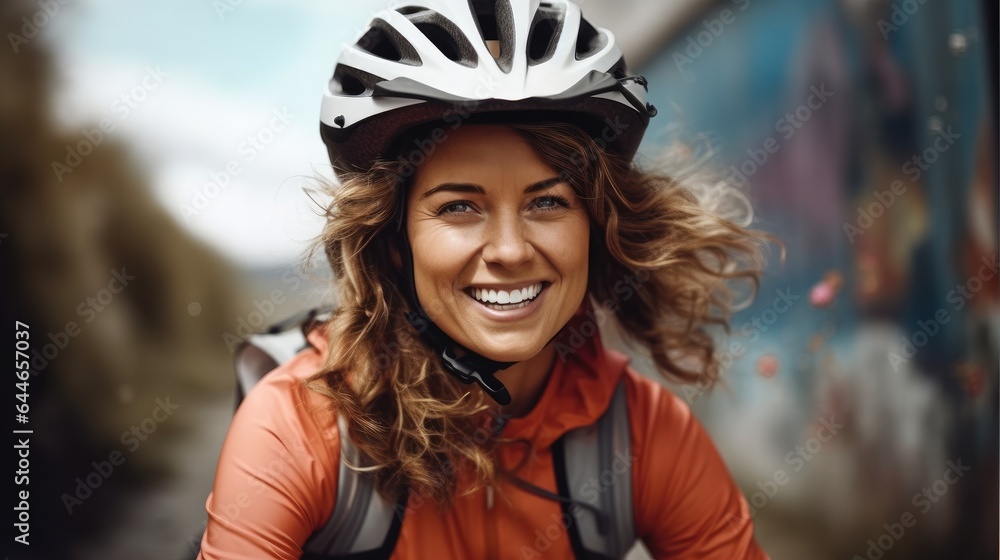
point(198, 86)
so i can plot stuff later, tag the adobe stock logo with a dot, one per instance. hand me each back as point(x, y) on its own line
point(913, 168)
point(787, 126)
point(133, 437)
point(796, 460)
point(712, 29)
point(923, 500)
point(250, 148)
point(123, 106)
point(34, 24)
point(958, 297)
point(88, 310)
point(900, 16)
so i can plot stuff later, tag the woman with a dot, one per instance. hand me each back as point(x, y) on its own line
point(488, 221)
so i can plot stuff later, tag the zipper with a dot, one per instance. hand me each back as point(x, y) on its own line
point(492, 540)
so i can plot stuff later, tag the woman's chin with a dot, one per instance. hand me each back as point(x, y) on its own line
point(509, 353)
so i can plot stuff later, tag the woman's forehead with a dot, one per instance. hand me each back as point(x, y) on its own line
point(486, 155)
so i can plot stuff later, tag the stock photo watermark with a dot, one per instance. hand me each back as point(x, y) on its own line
point(32, 26)
point(923, 501)
point(590, 491)
point(263, 310)
point(132, 439)
point(796, 460)
point(712, 29)
point(900, 16)
point(454, 117)
point(914, 168)
point(577, 335)
point(752, 330)
point(786, 126)
point(87, 310)
point(958, 297)
point(258, 480)
point(547, 536)
point(122, 107)
point(254, 145)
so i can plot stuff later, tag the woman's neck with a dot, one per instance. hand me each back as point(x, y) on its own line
point(526, 382)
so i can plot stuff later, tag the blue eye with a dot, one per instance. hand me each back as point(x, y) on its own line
point(551, 202)
point(457, 207)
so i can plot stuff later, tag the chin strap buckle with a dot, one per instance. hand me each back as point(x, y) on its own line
point(469, 368)
point(467, 374)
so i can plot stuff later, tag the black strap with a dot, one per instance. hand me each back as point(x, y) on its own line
point(460, 362)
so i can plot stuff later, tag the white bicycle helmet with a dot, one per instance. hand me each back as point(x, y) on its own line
point(430, 60)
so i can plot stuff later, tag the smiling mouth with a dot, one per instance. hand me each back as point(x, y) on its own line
point(507, 300)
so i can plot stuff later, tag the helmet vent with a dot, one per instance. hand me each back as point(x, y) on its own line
point(496, 27)
point(589, 40)
point(445, 35)
point(410, 10)
point(351, 81)
point(442, 40)
point(376, 42)
point(351, 85)
point(386, 43)
point(544, 34)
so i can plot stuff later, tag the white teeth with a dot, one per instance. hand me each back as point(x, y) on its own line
point(518, 298)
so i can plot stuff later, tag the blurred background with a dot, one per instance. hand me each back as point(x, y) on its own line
point(157, 162)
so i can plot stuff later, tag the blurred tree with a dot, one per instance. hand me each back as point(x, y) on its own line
point(101, 359)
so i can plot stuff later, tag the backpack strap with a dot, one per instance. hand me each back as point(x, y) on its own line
point(593, 465)
point(364, 524)
point(258, 354)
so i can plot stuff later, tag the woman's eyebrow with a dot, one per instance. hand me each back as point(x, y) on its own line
point(544, 184)
point(454, 187)
point(469, 187)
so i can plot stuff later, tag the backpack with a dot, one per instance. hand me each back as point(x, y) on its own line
point(365, 525)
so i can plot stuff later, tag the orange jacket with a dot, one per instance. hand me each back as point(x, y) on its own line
point(277, 476)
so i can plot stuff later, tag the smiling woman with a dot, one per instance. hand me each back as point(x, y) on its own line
point(438, 378)
point(485, 215)
point(488, 220)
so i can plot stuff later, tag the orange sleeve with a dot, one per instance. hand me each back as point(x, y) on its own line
point(276, 479)
point(686, 504)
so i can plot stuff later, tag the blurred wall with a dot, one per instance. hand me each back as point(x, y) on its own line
point(865, 135)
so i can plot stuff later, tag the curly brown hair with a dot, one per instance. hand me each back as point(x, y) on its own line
point(412, 420)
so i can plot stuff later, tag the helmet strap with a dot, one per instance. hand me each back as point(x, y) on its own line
point(468, 366)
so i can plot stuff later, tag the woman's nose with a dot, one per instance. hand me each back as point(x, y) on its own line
point(506, 242)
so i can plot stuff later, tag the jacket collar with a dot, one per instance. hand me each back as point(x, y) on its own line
point(579, 389)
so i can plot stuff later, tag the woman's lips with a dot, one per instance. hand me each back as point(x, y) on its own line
point(504, 296)
point(534, 293)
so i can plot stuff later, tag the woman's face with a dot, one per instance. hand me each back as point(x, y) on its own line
point(500, 243)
